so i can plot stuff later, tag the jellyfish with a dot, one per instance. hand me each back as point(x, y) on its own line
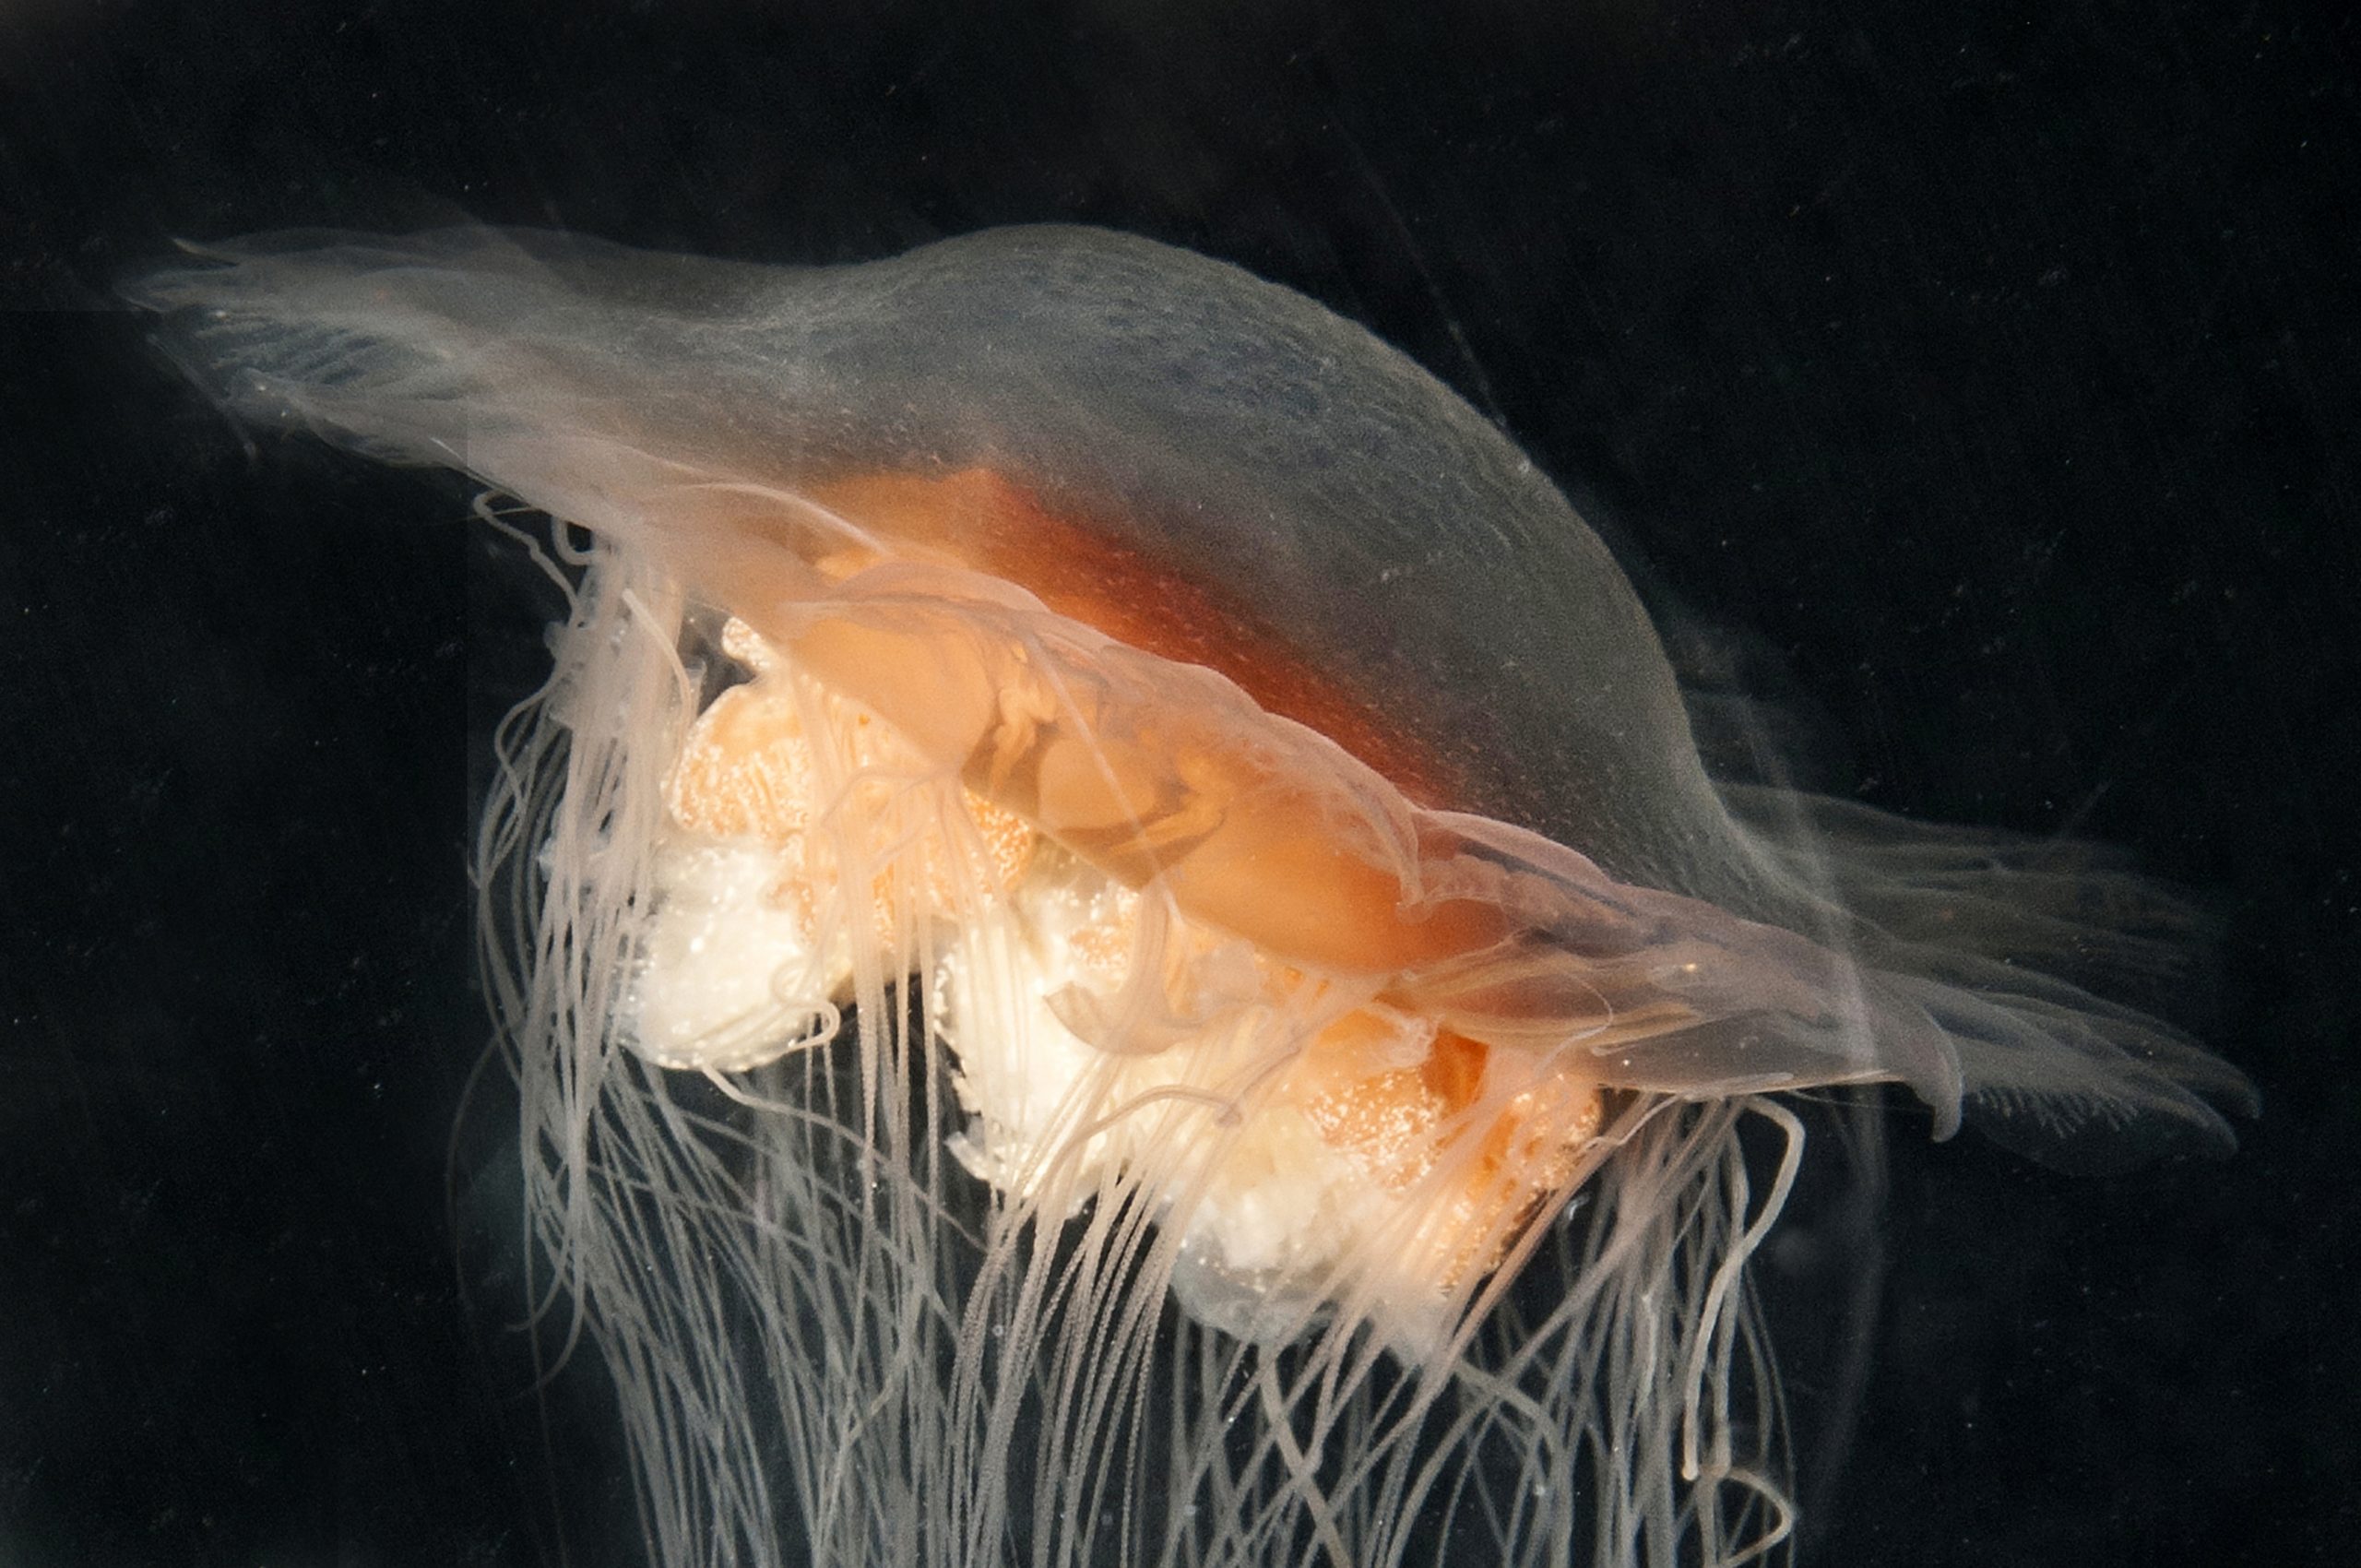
point(1111, 936)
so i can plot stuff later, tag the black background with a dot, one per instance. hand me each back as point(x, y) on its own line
point(1993, 368)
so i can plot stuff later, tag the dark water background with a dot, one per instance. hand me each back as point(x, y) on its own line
point(1994, 370)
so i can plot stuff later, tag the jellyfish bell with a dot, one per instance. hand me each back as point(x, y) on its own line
point(1102, 860)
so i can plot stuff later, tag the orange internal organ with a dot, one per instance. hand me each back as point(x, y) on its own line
point(1251, 857)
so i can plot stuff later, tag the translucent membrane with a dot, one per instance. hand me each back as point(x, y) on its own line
point(1102, 862)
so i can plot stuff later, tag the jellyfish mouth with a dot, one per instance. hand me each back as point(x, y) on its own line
point(1312, 1139)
